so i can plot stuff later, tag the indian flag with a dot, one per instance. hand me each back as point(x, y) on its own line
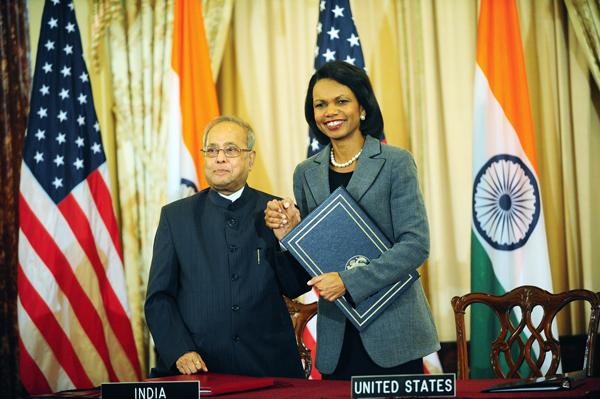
point(508, 240)
point(193, 100)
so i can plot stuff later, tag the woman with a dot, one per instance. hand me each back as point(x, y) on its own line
point(342, 110)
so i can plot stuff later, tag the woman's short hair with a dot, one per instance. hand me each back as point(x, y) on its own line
point(356, 80)
point(250, 136)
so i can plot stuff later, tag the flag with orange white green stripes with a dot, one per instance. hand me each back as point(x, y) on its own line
point(193, 100)
point(508, 240)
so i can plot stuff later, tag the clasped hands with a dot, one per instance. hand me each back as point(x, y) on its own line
point(190, 363)
point(282, 216)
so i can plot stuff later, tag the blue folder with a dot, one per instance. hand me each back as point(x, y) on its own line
point(339, 235)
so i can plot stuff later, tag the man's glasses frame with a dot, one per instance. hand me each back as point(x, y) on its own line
point(230, 151)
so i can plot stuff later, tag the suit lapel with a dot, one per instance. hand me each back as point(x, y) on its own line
point(367, 169)
point(317, 176)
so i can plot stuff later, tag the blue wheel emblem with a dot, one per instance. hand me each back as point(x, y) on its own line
point(506, 202)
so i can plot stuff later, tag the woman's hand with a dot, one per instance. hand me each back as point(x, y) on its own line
point(329, 285)
point(281, 216)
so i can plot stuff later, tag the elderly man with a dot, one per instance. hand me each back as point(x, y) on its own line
point(214, 299)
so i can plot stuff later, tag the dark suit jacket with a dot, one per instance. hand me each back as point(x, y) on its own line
point(216, 284)
point(385, 185)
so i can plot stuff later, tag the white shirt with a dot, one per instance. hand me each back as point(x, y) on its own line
point(234, 196)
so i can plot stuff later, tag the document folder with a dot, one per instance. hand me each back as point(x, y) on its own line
point(218, 384)
point(339, 235)
point(551, 383)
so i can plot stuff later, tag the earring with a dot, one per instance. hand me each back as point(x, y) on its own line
point(363, 116)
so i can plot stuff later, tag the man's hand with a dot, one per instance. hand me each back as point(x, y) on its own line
point(281, 216)
point(329, 285)
point(190, 363)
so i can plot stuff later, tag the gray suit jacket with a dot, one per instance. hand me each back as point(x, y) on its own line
point(385, 185)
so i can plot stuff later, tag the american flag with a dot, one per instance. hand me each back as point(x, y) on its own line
point(337, 39)
point(73, 314)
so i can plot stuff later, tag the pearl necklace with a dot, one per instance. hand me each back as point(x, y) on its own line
point(345, 164)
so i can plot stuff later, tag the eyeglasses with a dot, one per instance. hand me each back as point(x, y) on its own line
point(230, 151)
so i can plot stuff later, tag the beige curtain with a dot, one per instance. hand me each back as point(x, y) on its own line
point(217, 17)
point(420, 56)
point(267, 62)
point(584, 17)
point(138, 50)
point(566, 111)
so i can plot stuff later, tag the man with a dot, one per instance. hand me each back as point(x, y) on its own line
point(214, 299)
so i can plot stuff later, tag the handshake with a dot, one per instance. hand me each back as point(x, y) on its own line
point(281, 216)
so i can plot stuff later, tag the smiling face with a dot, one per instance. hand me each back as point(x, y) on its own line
point(337, 111)
point(227, 175)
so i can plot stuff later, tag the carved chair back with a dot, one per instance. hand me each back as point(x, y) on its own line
point(533, 338)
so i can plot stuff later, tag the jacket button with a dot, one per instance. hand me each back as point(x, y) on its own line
point(232, 222)
point(236, 338)
point(233, 248)
point(235, 308)
point(234, 277)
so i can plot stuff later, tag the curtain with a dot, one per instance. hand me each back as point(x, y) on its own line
point(266, 65)
point(420, 56)
point(217, 17)
point(15, 76)
point(584, 16)
point(138, 46)
point(566, 114)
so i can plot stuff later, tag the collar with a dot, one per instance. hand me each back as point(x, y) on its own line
point(241, 197)
point(234, 196)
point(369, 164)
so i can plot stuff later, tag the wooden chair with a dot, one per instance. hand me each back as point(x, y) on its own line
point(301, 314)
point(526, 298)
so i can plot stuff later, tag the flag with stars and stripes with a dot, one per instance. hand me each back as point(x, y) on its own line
point(73, 313)
point(337, 40)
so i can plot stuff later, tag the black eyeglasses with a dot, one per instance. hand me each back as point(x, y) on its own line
point(230, 151)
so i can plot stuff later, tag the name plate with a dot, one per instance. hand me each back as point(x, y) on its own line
point(151, 390)
point(413, 385)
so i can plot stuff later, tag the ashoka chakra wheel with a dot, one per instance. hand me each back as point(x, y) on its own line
point(506, 202)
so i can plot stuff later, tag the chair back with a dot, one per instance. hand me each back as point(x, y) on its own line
point(301, 314)
point(527, 334)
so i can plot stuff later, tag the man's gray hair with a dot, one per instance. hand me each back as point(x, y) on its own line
point(250, 137)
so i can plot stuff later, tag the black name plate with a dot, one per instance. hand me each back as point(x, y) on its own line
point(414, 385)
point(151, 390)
